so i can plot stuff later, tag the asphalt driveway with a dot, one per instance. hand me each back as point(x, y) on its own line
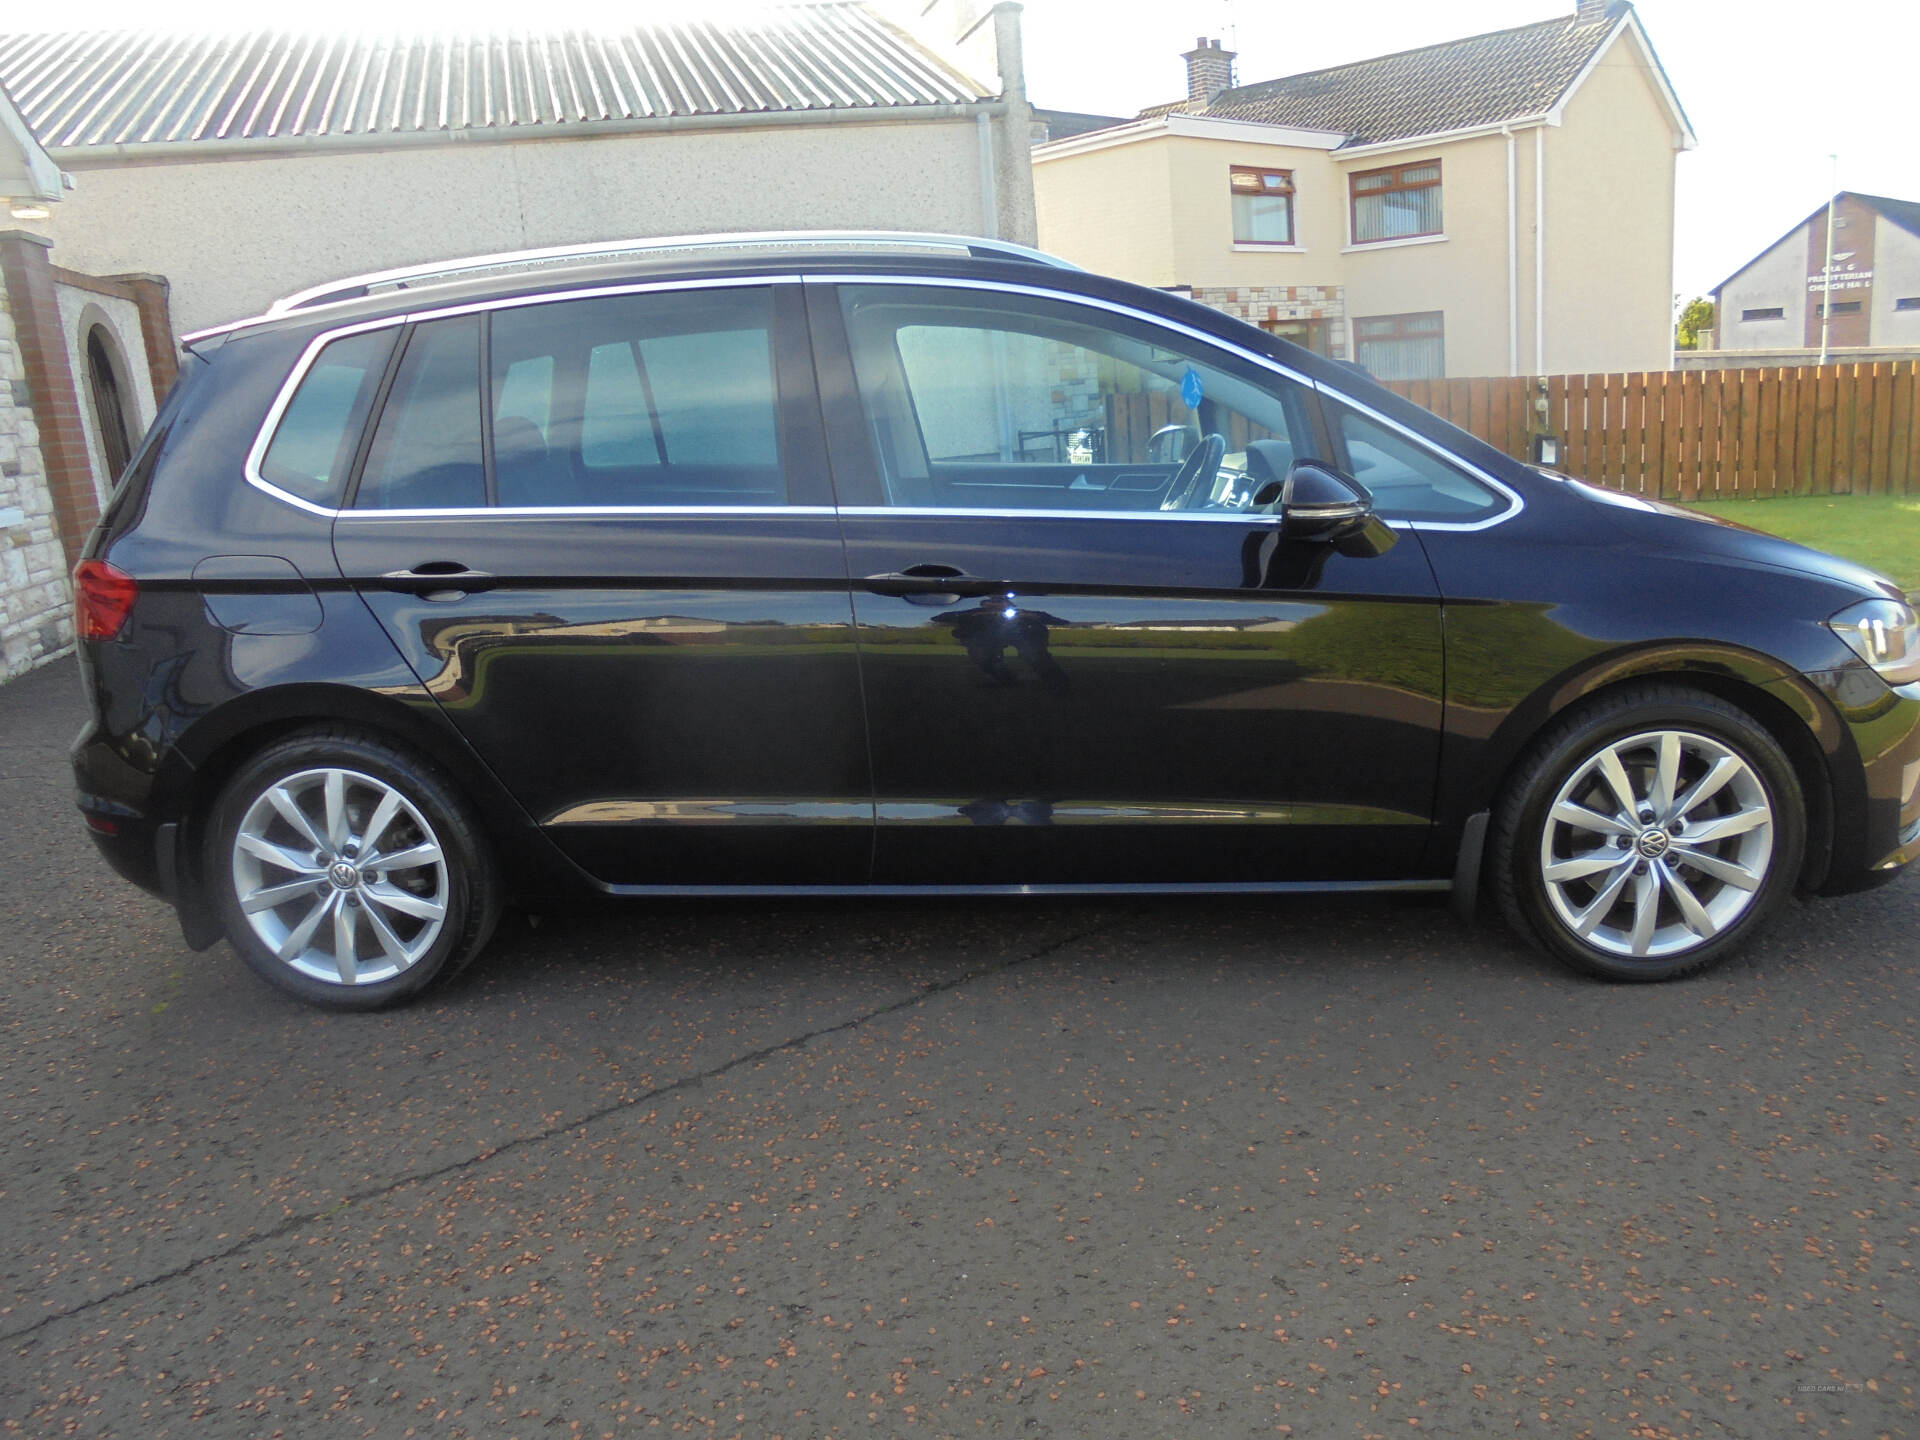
point(1197, 1168)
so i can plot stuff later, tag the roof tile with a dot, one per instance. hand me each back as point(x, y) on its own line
point(1479, 80)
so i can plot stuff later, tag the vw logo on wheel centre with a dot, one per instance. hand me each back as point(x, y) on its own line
point(1653, 844)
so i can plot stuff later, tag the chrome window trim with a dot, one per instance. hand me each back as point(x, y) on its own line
point(574, 512)
point(960, 512)
point(1515, 503)
point(263, 438)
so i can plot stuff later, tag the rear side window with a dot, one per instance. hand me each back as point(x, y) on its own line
point(426, 450)
point(650, 399)
point(313, 445)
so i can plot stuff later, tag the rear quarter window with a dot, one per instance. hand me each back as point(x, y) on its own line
point(312, 446)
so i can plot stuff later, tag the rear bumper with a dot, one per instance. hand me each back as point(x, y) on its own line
point(111, 797)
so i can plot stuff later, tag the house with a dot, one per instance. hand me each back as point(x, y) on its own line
point(1496, 205)
point(246, 167)
point(1779, 300)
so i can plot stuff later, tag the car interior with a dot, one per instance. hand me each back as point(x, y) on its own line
point(1018, 410)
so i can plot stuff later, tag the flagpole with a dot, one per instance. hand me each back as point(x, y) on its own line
point(1826, 278)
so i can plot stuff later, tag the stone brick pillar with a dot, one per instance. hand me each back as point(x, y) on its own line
point(41, 346)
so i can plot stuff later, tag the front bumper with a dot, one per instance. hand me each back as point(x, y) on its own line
point(1885, 725)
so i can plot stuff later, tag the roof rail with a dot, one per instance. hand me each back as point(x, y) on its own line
point(355, 286)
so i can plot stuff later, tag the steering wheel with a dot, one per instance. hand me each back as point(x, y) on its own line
point(1194, 479)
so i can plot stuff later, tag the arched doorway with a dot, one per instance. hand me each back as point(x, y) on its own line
point(109, 404)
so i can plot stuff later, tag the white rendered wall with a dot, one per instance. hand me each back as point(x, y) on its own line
point(233, 235)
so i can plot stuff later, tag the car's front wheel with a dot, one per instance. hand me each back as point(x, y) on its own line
point(347, 871)
point(1649, 834)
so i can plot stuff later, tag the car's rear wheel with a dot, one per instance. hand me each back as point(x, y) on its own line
point(1649, 834)
point(348, 871)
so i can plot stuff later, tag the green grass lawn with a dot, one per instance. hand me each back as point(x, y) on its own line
point(1878, 530)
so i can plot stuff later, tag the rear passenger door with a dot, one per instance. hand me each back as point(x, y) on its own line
point(601, 530)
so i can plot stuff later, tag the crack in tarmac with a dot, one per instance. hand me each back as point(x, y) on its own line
point(686, 1082)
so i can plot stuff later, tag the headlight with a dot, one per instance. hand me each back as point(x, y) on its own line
point(1885, 634)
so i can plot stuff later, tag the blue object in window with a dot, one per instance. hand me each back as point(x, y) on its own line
point(1191, 390)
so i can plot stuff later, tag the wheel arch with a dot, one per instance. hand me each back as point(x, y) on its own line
point(206, 756)
point(1779, 700)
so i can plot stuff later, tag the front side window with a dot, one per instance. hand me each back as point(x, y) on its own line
point(1262, 206)
point(1402, 347)
point(314, 442)
point(981, 401)
point(1396, 203)
point(1407, 480)
point(654, 399)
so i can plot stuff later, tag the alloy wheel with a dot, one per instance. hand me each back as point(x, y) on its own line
point(340, 876)
point(1656, 844)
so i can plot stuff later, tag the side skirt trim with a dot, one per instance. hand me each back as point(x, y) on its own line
point(1247, 887)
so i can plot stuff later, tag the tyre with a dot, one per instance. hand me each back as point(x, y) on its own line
point(348, 871)
point(1649, 834)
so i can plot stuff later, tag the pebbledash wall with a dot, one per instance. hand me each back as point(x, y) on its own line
point(54, 473)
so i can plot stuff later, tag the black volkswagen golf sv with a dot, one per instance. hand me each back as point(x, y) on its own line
point(883, 564)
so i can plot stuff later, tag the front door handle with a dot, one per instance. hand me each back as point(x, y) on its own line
point(932, 584)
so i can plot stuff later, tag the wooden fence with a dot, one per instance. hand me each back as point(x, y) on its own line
point(1698, 434)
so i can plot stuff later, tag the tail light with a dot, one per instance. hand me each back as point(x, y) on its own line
point(103, 599)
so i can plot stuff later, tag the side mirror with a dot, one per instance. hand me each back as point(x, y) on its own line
point(1321, 503)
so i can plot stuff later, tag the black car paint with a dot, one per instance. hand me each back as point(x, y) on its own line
point(1465, 644)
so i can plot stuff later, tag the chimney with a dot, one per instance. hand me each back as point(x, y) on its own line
point(1591, 12)
point(1209, 71)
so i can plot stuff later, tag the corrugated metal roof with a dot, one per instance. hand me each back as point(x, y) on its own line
point(100, 88)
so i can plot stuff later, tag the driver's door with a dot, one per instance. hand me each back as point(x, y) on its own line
point(1087, 656)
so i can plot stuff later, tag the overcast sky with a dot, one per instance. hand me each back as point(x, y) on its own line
point(1770, 88)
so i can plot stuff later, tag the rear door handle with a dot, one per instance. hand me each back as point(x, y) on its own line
point(439, 579)
point(930, 584)
point(438, 575)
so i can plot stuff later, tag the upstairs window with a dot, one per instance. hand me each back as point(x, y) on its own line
point(1907, 302)
point(1766, 312)
point(1397, 203)
point(1262, 206)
